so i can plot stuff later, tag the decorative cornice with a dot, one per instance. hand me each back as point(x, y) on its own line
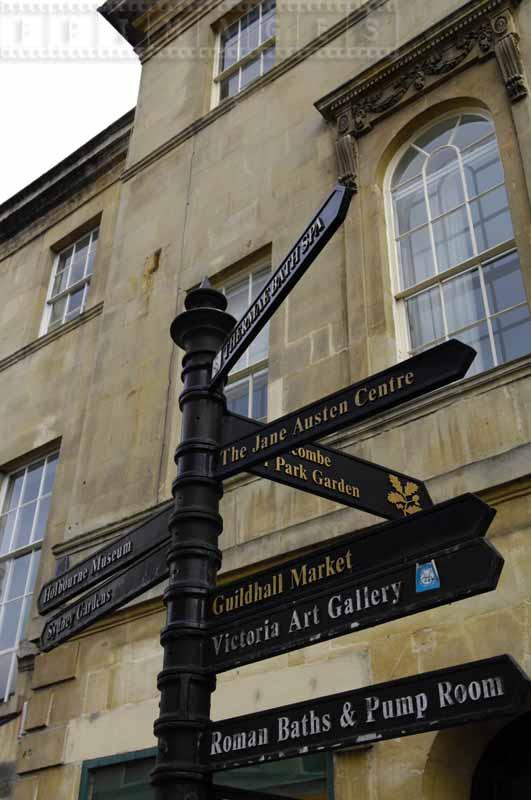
point(45, 340)
point(283, 67)
point(74, 173)
point(480, 30)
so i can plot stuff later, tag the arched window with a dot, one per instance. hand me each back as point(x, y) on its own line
point(504, 770)
point(458, 268)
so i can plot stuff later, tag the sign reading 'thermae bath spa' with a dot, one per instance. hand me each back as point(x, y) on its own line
point(426, 702)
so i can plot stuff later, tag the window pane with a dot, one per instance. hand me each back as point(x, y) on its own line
point(5, 668)
point(250, 72)
point(478, 338)
point(425, 317)
point(229, 87)
point(512, 334)
point(453, 242)
point(268, 59)
point(259, 404)
point(49, 476)
point(3, 577)
point(229, 47)
point(410, 166)
point(58, 309)
point(14, 489)
point(60, 282)
point(471, 129)
point(25, 519)
point(35, 556)
point(416, 257)
point(250, 36)
point(237, 395)
point(437, 136)
point(492, 219)
point(33, 482)
point(79, 261)
point(483, 168)
point(503, 280)
point(19, 577)
point(42, 519)
point(75, 303)
point(445, 185)
point(410, 208)
point(10, 621)
point(463, 301)
point(7, 523)
point(92, 254)
point(268, 20)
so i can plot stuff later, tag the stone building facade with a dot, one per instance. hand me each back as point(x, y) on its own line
point(246, 115)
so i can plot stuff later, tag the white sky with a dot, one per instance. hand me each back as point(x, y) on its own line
point(65, 74)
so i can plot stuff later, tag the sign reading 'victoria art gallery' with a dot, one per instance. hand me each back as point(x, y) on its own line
point(430, 701)
point(424, 372)
point(318, 233)
point(336, 476)
point(382, 596)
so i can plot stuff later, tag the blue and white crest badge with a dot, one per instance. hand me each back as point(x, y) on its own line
point(427, 577)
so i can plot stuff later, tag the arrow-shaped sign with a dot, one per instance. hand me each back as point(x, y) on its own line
point(318, 233)
point(336, 476)
point(105, 562)
point(352, 558)
point(429, 581)
point(494, 687)
point(131, 582)
point(403, 382)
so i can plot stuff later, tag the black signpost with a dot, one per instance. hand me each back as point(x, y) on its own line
point(336, 476)
point(390, 388)
point(427, 702)
point(426, 556)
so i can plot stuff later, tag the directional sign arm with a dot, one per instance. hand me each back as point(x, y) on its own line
point(336, 476)
point(131, 582)
point(317, 234)
point(352, 605)
point(105, 562)
point(388, 389)
point(479, 690)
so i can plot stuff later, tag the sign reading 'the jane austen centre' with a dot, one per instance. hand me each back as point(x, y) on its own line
point(423, 583)
point(318, 233)
point(337, 476)
point(430, 701)
point(424, 372)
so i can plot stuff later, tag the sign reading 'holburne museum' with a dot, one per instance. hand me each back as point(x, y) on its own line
point(318, 233)
point(426, 702)
point(104, 562)
point(424, 372)
point(336, 476)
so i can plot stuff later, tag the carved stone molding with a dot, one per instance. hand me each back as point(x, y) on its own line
point(347, 160)
point(480, 30)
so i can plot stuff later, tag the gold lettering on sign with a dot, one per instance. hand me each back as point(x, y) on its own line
point(405, 497)
point(398, 383)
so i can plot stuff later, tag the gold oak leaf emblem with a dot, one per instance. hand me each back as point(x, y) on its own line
point(405, 498)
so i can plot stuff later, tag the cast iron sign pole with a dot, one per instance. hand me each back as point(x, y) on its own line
point(187, 681)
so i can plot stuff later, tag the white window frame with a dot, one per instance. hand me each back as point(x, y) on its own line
point(83, 282)
point(9, 558)
point(403, 343)
point(257, 368)
point(220, 76)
